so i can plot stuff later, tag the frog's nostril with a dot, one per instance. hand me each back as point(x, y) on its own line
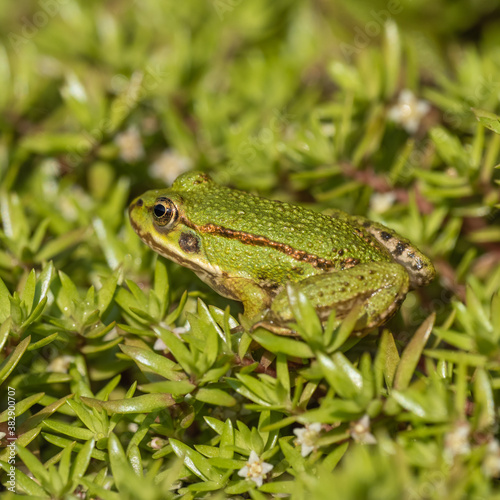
point(139, 202)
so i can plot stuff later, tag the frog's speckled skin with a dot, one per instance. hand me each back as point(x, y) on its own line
point(247, 248)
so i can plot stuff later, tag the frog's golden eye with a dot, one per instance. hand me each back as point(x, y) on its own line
point(164, 211)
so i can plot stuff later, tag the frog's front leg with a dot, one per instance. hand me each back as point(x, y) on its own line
point(378, 287)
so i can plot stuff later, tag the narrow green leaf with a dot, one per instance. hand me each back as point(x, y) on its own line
point(215, 424)
point(227, 463)
point(82, 461)
point(457, 339)
point(386, 361)
point(392, 57)
point(139, 404)
point(457, 357)
point(259, 387)
point(27, 484)
point(156, 363)
point(279, 344)
point(144, 428)
point(64, 443)
point(83, 413)
point(39, 417)
point(69, 430)
point(281, 487)
point(174, 315)
point(282, 372)
point(35, 314)
point(342, 333)
point(195, 462)
point(227, 440)
point(68, 295)
point(334, 457)
point(305, 314)
point(4, 302)
point(341, 374)
point(44, 281)
point(161, 285)
point(65, 463)
point(215, 397)
point(411, 354)
point(104, 393)
point(22, 406)
point(178, 388)
point(246, 392)
point(135, 459)
point(34, 465)
point(121, 468)
point(23, 440)
point(14, 221)
point(488, 119)
point(177, 347)
point(292, 455)
point(99, 491)
point(28, 293)
point(106, 292)
point(140, 296)
point(13, 359)
point(4, 331)
point(60, 244)
point(485, 410)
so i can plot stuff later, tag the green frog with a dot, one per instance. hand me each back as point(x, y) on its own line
point(249, 248)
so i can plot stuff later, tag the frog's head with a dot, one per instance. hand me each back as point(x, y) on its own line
point(162, 220)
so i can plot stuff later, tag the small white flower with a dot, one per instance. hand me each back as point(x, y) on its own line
point(491, 461)
point(381, 202)
point(456, 442)
point(157, 443)
point(409, 111)
point(306, 437)
point(130, 145)
point(328, 129)
point(255, 469)
point(60, 364)
point(132, 427)
point(360, 431)
point(169, 165)
point(159, 345)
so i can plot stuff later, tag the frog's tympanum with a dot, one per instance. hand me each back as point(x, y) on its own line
point(248, 248)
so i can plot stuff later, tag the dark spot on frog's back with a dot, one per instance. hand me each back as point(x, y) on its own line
point(189, 243)
point(400, 247)
point(385, 235)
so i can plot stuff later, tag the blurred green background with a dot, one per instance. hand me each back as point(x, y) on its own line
point(386, 109)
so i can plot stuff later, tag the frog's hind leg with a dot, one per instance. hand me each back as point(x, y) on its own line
point(419, 267)
point(378, 287)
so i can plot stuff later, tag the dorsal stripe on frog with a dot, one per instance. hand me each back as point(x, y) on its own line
point(257, 240)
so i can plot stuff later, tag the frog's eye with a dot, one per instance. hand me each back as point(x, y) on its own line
point(164, 211)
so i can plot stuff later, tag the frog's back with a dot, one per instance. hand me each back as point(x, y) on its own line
point(301, 235)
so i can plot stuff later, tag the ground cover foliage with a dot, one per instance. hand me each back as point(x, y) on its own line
point(128, 378)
